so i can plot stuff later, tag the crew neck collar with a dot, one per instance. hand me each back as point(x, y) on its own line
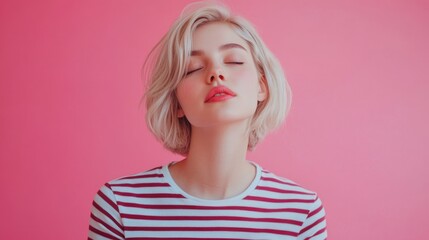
point(166, 172)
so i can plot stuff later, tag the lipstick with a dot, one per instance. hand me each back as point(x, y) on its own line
point(218, 94)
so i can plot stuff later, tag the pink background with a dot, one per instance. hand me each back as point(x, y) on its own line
point(357, 132)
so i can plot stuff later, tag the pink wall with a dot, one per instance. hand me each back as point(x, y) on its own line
point(357, 133)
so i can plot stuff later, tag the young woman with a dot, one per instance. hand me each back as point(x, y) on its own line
point(215, 90)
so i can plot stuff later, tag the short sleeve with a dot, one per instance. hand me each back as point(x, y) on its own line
point(105, 221)
point(314, 227)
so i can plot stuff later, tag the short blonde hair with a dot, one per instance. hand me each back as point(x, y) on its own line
point(166, 66)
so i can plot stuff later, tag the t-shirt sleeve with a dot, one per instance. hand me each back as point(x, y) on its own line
point(105, 221)
point(314, 227)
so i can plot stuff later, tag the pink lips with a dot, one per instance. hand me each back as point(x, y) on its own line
point(220, 93)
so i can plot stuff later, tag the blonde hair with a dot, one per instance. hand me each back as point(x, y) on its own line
point(166, 65)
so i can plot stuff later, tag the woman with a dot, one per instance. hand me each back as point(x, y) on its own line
point(215, 90)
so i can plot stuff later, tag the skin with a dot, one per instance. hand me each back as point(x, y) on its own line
point(216, 166)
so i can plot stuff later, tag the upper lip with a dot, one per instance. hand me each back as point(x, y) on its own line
point(217, 90)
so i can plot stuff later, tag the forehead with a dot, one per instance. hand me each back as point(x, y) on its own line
point(212, 35)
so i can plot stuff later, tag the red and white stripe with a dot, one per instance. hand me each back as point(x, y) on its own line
point(150, 205)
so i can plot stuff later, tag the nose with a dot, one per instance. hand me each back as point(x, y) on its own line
point(215, 74)
point(213, 77)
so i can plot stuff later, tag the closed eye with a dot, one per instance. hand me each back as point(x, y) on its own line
point(192, 71)
point(234, 62)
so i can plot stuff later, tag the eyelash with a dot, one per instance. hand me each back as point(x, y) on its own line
point(192, 71)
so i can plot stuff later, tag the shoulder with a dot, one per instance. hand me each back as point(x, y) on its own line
point(107, 208)
point(139, 179)
point(126, 188)
point(277, 183)
point(275, 189)
point(147, 176)
point(280, 190)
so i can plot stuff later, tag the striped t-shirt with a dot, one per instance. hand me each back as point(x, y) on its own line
point(150, 205)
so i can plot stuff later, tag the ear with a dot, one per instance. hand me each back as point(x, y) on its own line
point(263, 89)
point(180, 113)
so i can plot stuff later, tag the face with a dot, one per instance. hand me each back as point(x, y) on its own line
point(222, 84)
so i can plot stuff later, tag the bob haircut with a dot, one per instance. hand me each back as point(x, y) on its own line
point(166, 66)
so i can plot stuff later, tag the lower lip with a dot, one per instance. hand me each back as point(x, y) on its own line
point(219, 98)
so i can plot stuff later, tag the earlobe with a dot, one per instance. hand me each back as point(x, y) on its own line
point(263, 90)
point(180, 113)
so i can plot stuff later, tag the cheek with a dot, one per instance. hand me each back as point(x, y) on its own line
point(247, 78)
point(187, 91)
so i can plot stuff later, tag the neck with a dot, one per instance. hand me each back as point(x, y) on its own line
point(224, 146)
point(216, 165)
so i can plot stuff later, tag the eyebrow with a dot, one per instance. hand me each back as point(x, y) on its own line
point(221, 48)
